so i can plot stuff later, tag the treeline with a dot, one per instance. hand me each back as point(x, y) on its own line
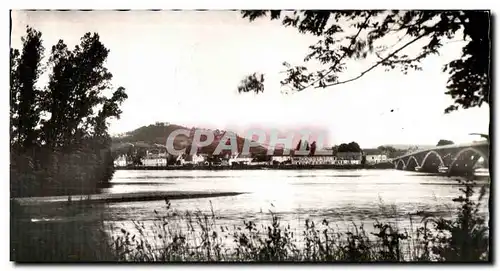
point(59, 139)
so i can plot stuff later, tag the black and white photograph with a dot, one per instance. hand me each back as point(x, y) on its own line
point(250, 135)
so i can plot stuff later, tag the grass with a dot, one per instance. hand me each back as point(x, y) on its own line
point(195, 237)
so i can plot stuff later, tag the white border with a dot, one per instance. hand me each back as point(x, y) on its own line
point(198, 4)
point(254, 4)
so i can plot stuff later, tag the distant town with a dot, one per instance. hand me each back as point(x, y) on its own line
point(159, 158)
point(142, 149)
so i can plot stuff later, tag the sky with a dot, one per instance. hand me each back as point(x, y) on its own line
point(184, 67)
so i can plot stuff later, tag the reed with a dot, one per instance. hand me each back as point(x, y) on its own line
point(195, 237)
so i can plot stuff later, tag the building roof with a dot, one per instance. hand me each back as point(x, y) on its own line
point(346, 154)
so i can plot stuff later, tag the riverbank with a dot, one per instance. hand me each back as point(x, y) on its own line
point(53, 236)
point(123, 197)
point(259, 167)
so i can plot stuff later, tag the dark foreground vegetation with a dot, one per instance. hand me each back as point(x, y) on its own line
point(59, 140)
point(194, 237)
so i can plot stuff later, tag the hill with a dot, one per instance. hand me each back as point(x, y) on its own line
point(155, 136)
point(408, 146)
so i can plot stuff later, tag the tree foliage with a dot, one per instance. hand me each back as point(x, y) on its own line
point(443, 142)
point(24, 94)
point(465, 237)
point(59, 138)
point(349, 147)
point(387, 149)
point(253, 82)
point(386, 35)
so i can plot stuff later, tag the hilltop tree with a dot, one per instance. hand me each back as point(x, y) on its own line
point(443, 142)
point(386, 36)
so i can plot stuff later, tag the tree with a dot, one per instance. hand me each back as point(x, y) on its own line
point(386, 36)
point(343, 148)
point(351, 147)
point(59, 138)
point(75, 93)
point(253, 82)
point(24, 95)
point(313, 148)
point(354, 147)
point(443, 142)
point(387, 150)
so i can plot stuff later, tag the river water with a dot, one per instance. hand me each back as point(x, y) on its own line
point(340, 196)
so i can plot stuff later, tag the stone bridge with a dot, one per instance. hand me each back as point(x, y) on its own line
point(455, 160)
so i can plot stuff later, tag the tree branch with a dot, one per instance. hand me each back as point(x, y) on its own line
point(378, 63)
point(342, 57)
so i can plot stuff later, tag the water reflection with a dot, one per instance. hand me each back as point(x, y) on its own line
point(339, 195)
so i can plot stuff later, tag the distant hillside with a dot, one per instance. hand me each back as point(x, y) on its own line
point(155, 135)
point(148, 135)
point(408, 146)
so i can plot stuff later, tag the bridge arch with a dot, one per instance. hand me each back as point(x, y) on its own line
point(441, 162)
point(411, 163)
point(400, 164)
point(454, 165)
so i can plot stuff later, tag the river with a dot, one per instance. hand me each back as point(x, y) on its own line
point(340, 196)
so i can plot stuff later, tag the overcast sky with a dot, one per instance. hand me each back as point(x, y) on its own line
point(184, 67)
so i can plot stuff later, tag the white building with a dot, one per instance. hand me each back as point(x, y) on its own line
point(376, 158)
point(349, 158)
point(195, 159)
point(281, 159)
point(154, 161)
point(198, 159)
point(240, 159)
point(121, 161)
point(314, 160)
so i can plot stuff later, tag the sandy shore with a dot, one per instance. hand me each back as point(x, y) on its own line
point(124, 197)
